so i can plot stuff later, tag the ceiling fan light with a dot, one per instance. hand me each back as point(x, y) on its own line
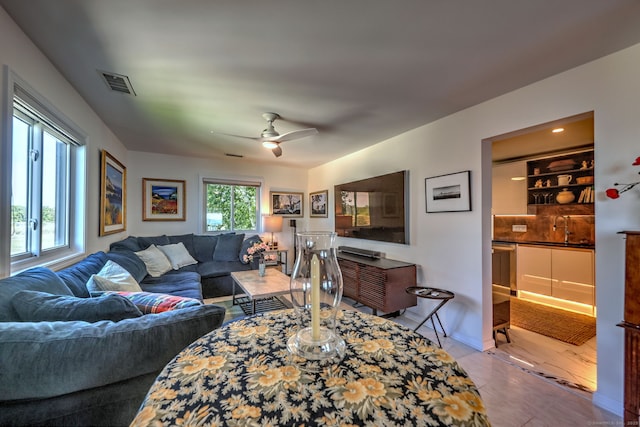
point(269, 144)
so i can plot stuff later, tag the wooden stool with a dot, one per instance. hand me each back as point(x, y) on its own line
point(501, 316)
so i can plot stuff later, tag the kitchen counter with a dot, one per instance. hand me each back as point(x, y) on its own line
point(554, 244)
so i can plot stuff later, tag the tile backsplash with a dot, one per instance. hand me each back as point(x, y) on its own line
point(540, 228)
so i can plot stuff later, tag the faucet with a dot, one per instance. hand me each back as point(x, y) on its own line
point(566, 219)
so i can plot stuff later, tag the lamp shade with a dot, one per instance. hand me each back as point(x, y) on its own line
point(272, 224)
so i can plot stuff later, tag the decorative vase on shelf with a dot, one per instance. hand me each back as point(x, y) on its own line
point(565, 196)
point(316, 293)
point(262, 266)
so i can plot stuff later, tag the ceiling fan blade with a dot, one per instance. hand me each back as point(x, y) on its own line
point(296, 134)
point(277, 151)
point(238, 136)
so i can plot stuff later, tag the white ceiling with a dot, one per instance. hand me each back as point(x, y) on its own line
point(361, 71)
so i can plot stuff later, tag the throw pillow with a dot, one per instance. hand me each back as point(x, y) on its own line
point(178, 255)
point(112, 277)
point(34, 279)
point(34, 306)
point(248, 242)
point(187, 239)
point(130, 262)
point(156, 262)
point(149, 303)
point(228, 247)
point(203, 247)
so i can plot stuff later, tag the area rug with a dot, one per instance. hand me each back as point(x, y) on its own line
point(235, 311)
point(572, 328)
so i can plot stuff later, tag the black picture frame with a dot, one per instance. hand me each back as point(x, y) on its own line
point(448, 193)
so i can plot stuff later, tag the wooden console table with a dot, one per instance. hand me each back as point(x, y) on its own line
point(378, 283)
point(631, 325)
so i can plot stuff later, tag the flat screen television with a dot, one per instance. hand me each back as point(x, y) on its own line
point(374, 208)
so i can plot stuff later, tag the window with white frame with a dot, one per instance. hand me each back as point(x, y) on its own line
point(45, 158)
point(231, 205)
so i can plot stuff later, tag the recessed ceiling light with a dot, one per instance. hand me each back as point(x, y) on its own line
point(558, 130)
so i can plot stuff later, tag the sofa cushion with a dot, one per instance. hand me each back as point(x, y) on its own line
point(34, 306)
point(156, 262)
point(130, 262)
point(35, 279)
point(203, 247)
point(46, 359)
point(76, 276)
point(150, 303)
point(131, 243)
point(228, 247)
point(184, 284)
point(221, 268)
point(177, 255)
point(246, 245)
point(112, 277)
point(187, 240)
point(147, 241)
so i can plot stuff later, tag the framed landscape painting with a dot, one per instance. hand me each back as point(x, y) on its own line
point(163, 200)
point(318, 203)
point(286, 203)
point(448, 193)
point(113, 195)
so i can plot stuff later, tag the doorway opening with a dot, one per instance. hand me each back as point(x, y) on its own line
point(543, 249)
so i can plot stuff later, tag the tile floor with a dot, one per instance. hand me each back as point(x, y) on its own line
point(516, 394)
point(554, 391)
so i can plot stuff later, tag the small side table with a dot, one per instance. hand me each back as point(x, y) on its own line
point(435, 294)
point(277, 257)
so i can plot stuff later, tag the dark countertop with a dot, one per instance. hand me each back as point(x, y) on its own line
point(554, 244)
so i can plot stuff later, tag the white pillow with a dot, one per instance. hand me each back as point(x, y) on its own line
point(178, 255)
point(156, 262)
point(113, 277)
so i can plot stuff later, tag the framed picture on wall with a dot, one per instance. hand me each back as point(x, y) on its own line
point(113, 195)
point(286, 203)
point(448, 193)
point(318, 201)
point(163, 200)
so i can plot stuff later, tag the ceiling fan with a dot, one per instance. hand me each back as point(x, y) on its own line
point(271, 139)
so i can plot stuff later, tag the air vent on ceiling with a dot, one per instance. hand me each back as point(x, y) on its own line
point(117, 82)
point(234, 155)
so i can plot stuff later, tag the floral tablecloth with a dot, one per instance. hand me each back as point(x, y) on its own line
point(243, 375)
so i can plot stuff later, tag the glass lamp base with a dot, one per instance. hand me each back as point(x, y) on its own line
point(329, 348)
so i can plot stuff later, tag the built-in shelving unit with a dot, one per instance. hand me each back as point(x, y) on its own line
point(545, 182)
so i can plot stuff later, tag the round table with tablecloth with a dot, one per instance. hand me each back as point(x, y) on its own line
point(243, 374)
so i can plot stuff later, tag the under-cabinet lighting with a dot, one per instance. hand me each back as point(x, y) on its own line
point(558, 130)
point(517, 178)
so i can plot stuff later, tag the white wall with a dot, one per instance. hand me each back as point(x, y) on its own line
point(24, 59)
point(453, 249)
point(193, 170)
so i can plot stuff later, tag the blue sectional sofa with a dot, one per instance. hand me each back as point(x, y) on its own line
point(67, 358)
point(217, 257)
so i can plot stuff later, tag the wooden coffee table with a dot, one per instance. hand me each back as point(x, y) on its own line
point(255, 287)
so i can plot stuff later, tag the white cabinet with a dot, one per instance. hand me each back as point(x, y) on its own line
point(572, 275)
point(566, 274)
point(534, 269)
point(509, 197)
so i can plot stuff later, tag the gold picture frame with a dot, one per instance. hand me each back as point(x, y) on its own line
point(113, 195)
point(163, 199)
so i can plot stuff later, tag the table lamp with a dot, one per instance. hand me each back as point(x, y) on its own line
point(272, 224)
